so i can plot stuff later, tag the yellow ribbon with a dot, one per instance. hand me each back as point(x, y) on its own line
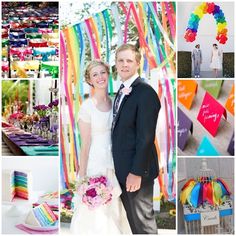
point(50, 36)
point(166, 60)
point(158, 198)
point(186, 192)
point(22, 66)
point(4, 52)
point(53, 42)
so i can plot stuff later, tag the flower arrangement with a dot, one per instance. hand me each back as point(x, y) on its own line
point(54, 105)
point(41, 110)
point(27, 119)
point(95, 191)
point(16, 116)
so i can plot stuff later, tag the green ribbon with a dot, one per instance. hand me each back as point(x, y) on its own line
point(109, 35)
point(55, 27)
point(34, 36)
point(52, 69)
point(5, 42)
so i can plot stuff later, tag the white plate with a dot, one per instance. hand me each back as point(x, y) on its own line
point(38, 228)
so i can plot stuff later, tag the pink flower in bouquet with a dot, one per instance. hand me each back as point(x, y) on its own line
point(91, 192)
point(95, 191)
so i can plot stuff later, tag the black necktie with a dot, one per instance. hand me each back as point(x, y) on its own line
point(116, 104)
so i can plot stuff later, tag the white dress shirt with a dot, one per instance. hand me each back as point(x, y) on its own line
point(127, 85)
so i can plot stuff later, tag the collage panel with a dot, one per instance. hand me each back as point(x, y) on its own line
point(91, 35)
point(206, 39)
point(30, 201)
point(206, 195)
point(30, 39)
point(205, 117)
point(30, 120)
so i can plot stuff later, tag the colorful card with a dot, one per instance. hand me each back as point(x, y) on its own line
point(230, 149)
point(213, 87)
point(185, 125)
point(210, 114)
point(206, 148)
point(187, 90)
point(229, 105)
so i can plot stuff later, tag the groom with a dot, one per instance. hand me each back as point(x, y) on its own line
point(135, 114)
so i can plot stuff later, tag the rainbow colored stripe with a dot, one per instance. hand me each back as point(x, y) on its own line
point(44, 215)
point(21, 185)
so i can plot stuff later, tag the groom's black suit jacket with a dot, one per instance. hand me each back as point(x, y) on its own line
point(133, 134)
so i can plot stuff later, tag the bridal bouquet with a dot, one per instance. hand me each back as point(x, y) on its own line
point(95, 191)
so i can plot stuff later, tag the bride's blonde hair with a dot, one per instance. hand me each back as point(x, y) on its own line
point(91, 65)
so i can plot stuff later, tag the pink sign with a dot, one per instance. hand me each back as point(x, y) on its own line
point(210, 114)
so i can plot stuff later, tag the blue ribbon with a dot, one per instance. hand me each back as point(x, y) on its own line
point(42, 25)
point(31, 30)
point(44, 52)
point(115, 12)
point(16, 35)
point(18, 42)
point(82, 56)
point(197, 216)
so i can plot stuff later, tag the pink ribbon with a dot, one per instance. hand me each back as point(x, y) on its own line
point(95, 49)
point(21, 52)
point(45, 30)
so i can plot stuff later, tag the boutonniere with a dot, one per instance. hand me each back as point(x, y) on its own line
point(126, 91)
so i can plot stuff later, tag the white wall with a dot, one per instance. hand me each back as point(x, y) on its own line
point(206, 30)
point(44, 170)
point(42, 93)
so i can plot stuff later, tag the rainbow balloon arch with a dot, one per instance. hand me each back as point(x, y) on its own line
point(196, 16)
point(155, 24)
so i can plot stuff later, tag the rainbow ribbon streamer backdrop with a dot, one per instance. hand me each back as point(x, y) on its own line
point(94, 38)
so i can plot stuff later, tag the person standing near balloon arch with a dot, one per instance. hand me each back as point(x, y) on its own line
point(216, 64)
point(197, 60)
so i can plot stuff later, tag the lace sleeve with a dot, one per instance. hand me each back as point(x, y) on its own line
point(85, 112)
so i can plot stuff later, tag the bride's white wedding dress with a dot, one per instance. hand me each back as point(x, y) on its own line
point(110, 218)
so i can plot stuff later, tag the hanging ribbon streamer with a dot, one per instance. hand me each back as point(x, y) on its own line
point(143, 44)
point(108, 46)
point(157, 21)
point(69, 95)
point(63, 124)
point(126, 24)
point(91, 39)
point(82, 57)
point(115, 13)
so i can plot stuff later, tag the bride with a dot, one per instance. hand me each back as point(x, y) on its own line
point(95, 119)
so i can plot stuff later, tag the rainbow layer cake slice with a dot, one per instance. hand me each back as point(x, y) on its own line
point(41, 216)
point(16, 183)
